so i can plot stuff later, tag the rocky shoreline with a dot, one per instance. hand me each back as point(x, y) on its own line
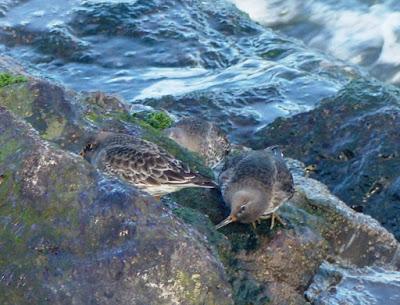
point(71, 235)
point(352, 141)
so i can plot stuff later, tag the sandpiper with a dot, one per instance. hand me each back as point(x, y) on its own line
point(255, 184)
point(141, 163)
point(202, 137)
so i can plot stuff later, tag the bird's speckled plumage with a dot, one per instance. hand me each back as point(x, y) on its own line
point(255, 184)
point(141, 163)
point(202, 137)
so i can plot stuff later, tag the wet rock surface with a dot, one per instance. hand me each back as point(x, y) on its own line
point(70, 234)
point(319, 227)
point(335, 285)
point(353, 142)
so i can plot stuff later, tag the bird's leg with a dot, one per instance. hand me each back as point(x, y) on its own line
point(276, 216)
point(273, 216)
point(255, 223)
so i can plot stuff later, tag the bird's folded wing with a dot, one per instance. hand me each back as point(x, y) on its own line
point(152, 166)
point(284, 178)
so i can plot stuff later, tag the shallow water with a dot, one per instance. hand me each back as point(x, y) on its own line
point(152, 48)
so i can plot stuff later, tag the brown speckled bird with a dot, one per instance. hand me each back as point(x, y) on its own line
point(202, 137)
point(141, 163)
point(255, 184)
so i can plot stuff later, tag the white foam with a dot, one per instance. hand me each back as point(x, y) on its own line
point(270, 12)
point(347, 29)
point(188, 80)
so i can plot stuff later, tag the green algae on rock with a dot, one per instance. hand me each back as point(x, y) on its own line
point(159, 120)
point(18, 99)
point(9, 79)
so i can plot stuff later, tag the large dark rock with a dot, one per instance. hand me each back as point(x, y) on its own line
point(353, 140)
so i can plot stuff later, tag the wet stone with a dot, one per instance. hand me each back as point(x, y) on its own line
point(350, 140)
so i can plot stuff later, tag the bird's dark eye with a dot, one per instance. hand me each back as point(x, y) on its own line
point(242, 208)
point(86, 149)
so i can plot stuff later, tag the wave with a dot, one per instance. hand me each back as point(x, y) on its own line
point(365, 33)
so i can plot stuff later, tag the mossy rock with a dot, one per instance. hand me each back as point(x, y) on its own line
point(9, 79)
point(159, 120)
point(68, 119)
point(69, 233)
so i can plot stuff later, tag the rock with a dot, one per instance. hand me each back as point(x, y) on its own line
point(320, 227)
point(347, 232)
point(70, 235)
point(69, 119)
point(335, 285)
point(352, 140)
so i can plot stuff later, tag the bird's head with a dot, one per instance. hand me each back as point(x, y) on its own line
point(93, 143)
point(88, 150)
point(246, 206)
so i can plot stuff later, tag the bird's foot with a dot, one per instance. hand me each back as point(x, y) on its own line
point(255, 223)
point(273, 216)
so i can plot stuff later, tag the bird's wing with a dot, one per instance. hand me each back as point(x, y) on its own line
point(148, 164)
point(275, 150)
point(233, 160)
point(284, 178)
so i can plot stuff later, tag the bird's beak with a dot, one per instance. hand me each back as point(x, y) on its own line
point(82, 153)
point(226, 221)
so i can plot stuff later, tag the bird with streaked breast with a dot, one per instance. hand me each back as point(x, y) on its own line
point(255, 184)
point(141, 163)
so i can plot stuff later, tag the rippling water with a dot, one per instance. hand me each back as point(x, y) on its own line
point(363, 32)
point(206, 50)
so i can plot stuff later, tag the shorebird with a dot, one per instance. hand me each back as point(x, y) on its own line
point(141, 163)
point(255, 184)
point(202, 137)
